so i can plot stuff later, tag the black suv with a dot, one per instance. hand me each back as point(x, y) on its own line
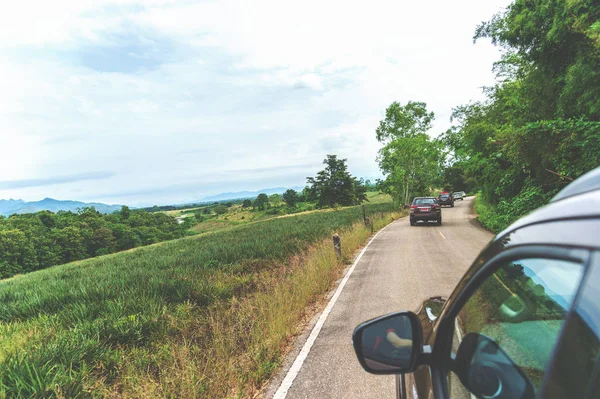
point(523, 322)
point(446, 199)
point(425, 209)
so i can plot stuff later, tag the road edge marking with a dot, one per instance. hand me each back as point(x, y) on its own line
point(294, 370)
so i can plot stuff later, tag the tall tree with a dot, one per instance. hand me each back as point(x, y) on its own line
point(291, 197)
point(335, 186)
point(410, 160)
point(261, 201)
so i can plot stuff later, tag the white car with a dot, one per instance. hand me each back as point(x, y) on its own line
point(459, 195)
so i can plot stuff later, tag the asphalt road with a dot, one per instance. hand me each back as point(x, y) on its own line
point(403, 266)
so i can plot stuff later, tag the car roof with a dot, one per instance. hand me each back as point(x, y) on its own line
point(579, 200)
point(586, 183)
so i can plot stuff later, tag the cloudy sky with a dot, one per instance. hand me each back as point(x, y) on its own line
point(156, 101)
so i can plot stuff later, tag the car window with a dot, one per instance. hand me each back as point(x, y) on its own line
point(522, 308)
point(425, 201)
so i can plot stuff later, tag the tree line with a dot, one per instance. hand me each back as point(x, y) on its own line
point(331, 187)
point(39, 240)
point(537, 130)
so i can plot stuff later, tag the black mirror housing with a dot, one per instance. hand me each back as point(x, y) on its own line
point(389, 344)
point(487, 371)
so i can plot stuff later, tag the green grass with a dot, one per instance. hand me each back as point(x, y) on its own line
point(142, 323)
point(236, 215)
point(489, 216)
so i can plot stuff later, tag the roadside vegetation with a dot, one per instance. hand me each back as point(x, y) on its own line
point(537, 130)
point(539, 127)
point(202, 316)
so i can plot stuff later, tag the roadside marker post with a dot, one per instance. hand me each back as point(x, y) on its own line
point(337, 245)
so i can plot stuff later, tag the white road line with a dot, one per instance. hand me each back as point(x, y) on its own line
point(443, 236)
point(292, 373)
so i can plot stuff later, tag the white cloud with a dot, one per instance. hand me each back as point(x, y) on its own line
point(169, 94)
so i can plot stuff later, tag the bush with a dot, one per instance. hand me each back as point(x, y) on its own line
point(498, 217)
point(220, 209)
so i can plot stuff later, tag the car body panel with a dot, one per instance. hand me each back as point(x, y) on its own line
point(577, 237)
point(581, 340)
point(459, 195)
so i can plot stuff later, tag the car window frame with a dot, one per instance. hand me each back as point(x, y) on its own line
point(581, 304)
point(442, 356)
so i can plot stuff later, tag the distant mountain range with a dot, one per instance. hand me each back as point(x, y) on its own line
point(248, 194)
point(11, 206)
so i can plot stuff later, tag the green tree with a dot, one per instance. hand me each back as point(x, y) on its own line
point(410, 160)
point(72, 243)
point(553, 50)
point(291, 197)
point(16, 253)
point(275, 199)
point(261, 202)
point(403, 121)
point(246, 203)
point(125, 212)
point(335, 186)
point(220, 209)
point(307, 195)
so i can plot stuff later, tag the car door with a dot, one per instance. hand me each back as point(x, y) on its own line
point(498, 336)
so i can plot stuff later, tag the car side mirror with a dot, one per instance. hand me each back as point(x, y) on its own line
point(389, 344)
point(488, 372)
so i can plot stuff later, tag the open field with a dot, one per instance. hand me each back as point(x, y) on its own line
point(204, 316)
point(236, 215)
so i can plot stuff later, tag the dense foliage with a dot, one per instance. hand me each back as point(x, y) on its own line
point(335, 186)
point(539, 128)
point(410, 160)
point(291, 197)
point(36, 241)
point(261, 201)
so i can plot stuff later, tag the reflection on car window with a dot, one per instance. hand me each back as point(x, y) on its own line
point(425, 201)
point(522, 307)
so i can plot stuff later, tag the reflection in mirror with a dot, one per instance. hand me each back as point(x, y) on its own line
point(488, 372)
point(387, 343)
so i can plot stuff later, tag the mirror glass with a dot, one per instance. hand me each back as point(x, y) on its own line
point(488, 372)
point(387, 343)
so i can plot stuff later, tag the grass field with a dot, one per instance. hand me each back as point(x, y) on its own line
point(236, 215)
point(203, 316)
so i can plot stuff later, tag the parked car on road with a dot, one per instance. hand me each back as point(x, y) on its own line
point(446, 198)
point(425, 209)
point(523, 322)
point(459, 195)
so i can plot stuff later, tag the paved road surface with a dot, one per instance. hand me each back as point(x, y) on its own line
point(401, 267)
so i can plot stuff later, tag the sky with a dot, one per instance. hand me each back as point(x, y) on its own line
point(157, 102)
